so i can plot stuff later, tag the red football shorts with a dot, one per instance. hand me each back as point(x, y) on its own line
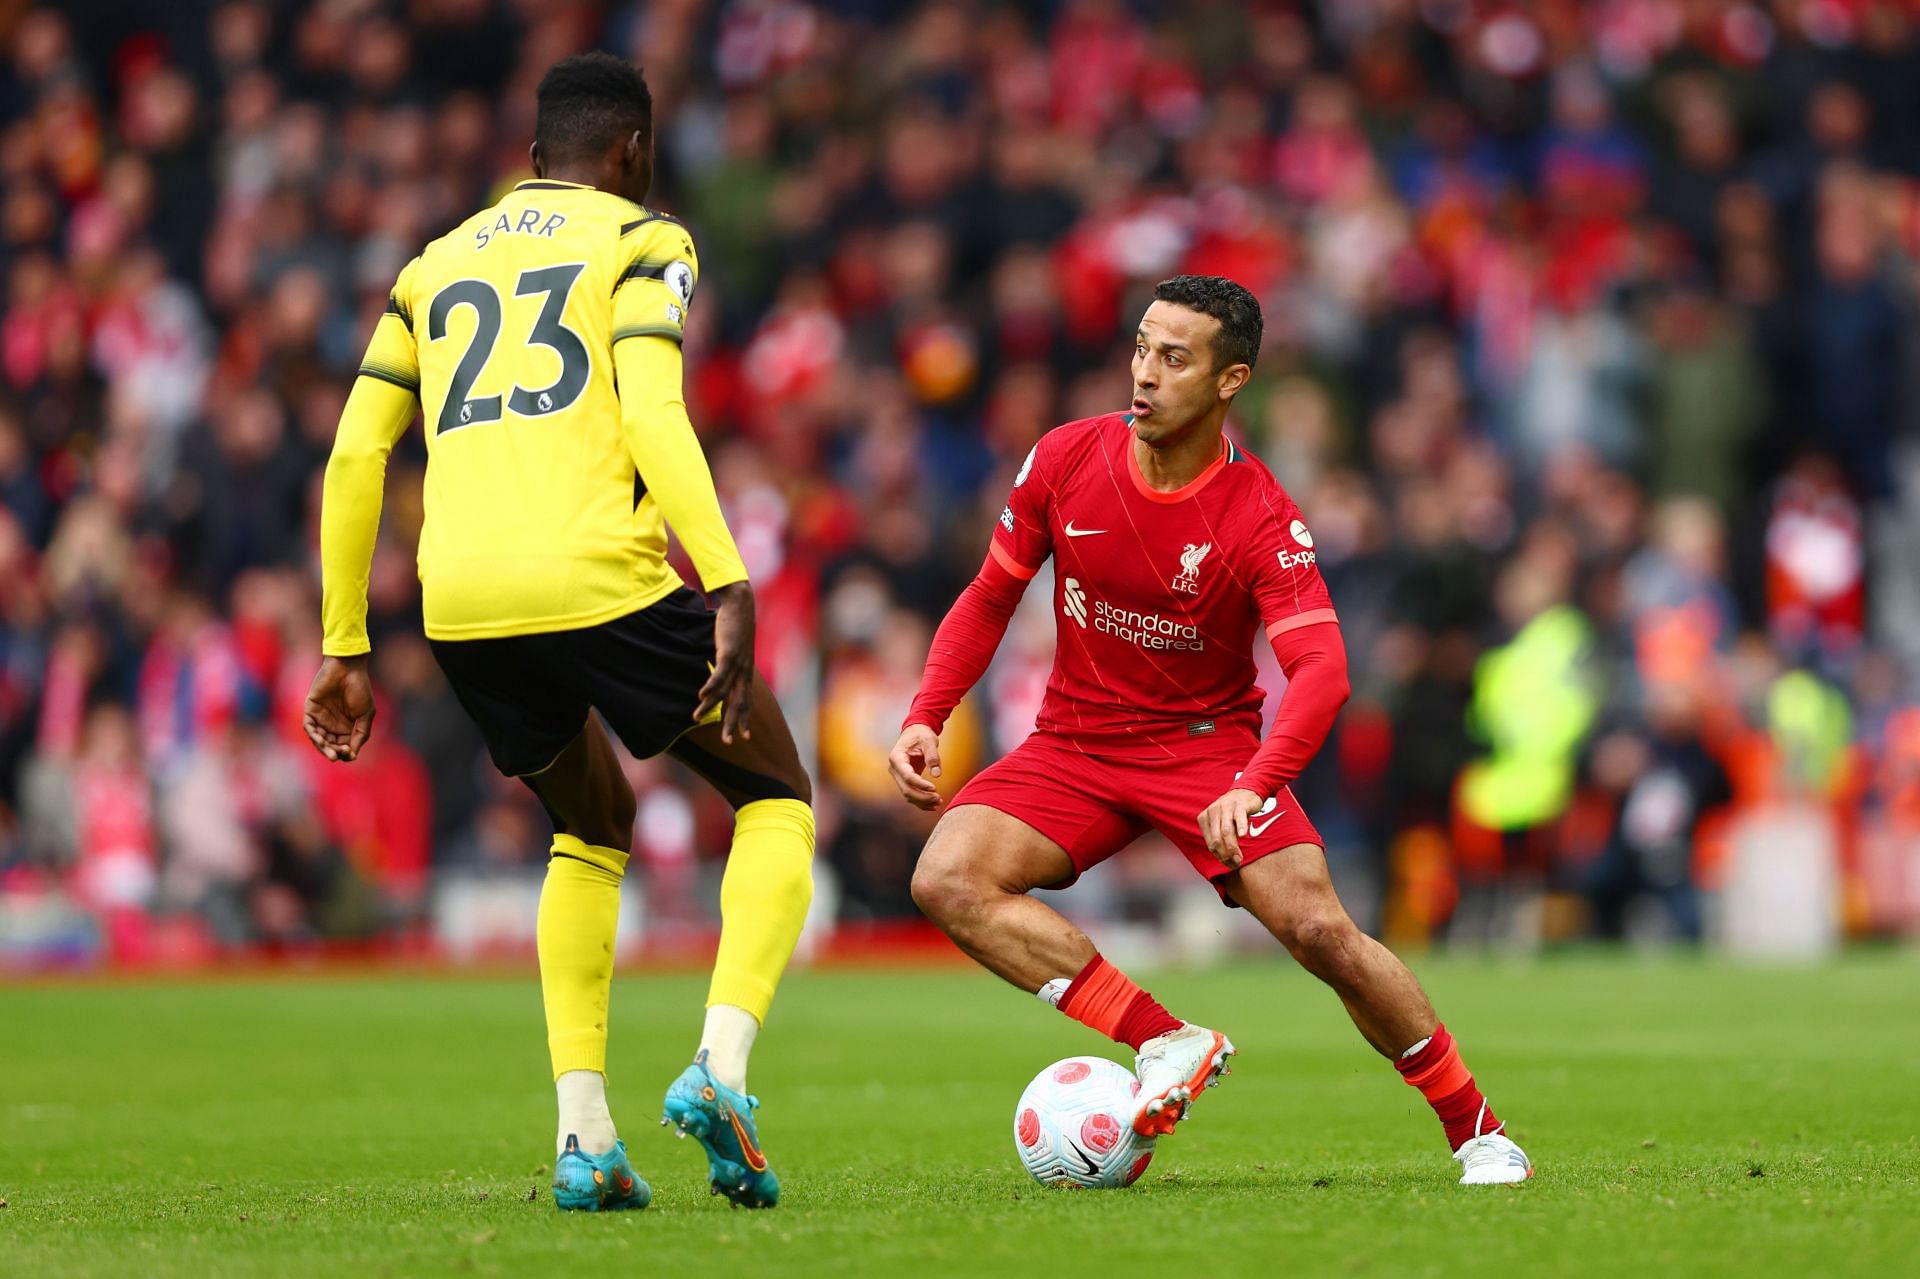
point(1095, 805)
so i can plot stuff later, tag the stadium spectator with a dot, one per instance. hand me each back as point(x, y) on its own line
point(1594, 319)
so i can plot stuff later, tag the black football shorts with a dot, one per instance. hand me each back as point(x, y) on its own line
point(530, 694)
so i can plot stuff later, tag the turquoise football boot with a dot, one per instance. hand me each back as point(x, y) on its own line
point(722, 1120)
point(597, 1183)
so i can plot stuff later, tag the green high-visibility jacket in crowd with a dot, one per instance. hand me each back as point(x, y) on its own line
point(1534, 701)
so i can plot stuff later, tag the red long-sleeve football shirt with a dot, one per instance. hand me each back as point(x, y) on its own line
point(1158, 599)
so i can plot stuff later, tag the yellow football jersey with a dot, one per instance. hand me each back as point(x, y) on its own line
point(536, 515)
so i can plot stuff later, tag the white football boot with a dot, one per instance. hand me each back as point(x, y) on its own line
point(1175, 1068)
point(1492, 1159)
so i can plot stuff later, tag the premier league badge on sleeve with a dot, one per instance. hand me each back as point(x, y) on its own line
point(679, 278)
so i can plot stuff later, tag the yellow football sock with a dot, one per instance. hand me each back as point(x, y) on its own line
point(579, 913)
point(764, 896)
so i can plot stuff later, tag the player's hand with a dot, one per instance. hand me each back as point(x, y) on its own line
point(913, 763)
point(1224, 823)
point(339, 711)
point(731, 684)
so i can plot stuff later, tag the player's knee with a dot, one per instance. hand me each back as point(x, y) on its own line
point(943, 887)
point(1322, 940)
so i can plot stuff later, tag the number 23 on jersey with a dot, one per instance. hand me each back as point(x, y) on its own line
point(553, 284)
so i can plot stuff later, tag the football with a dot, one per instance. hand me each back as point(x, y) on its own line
point(1074, 1126)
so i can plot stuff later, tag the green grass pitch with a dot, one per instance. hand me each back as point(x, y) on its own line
point(1687, 1117)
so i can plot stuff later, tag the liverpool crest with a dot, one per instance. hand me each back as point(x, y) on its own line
point(1189, 580)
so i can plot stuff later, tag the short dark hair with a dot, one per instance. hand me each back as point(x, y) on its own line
point(1237, 310)
point(588, 103)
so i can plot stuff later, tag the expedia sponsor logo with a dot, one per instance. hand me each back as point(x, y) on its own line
point(1297, 559)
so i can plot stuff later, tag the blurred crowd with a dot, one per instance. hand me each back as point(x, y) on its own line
point(1593, 357)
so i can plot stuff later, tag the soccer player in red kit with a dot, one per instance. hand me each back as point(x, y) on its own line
point(1171, 549)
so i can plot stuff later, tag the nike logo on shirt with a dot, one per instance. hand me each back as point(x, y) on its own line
point(1082, 532)
point(1261, 829)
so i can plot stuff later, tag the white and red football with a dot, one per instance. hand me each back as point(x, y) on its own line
point(1074, 1126)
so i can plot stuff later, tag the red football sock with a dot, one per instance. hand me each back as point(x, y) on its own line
point(1106, 999)
point(1444, 1080)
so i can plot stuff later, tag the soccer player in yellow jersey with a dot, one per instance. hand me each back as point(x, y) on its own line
point(540, 342)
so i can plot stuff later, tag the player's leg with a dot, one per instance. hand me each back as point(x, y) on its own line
point(1291, 893)
point(591, 805)
point(768, 883)
point(538, 730)
point(974, 879)
point(644, 672)
point(764, 895)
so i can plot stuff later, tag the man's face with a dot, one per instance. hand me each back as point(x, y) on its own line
point(1175, 383)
